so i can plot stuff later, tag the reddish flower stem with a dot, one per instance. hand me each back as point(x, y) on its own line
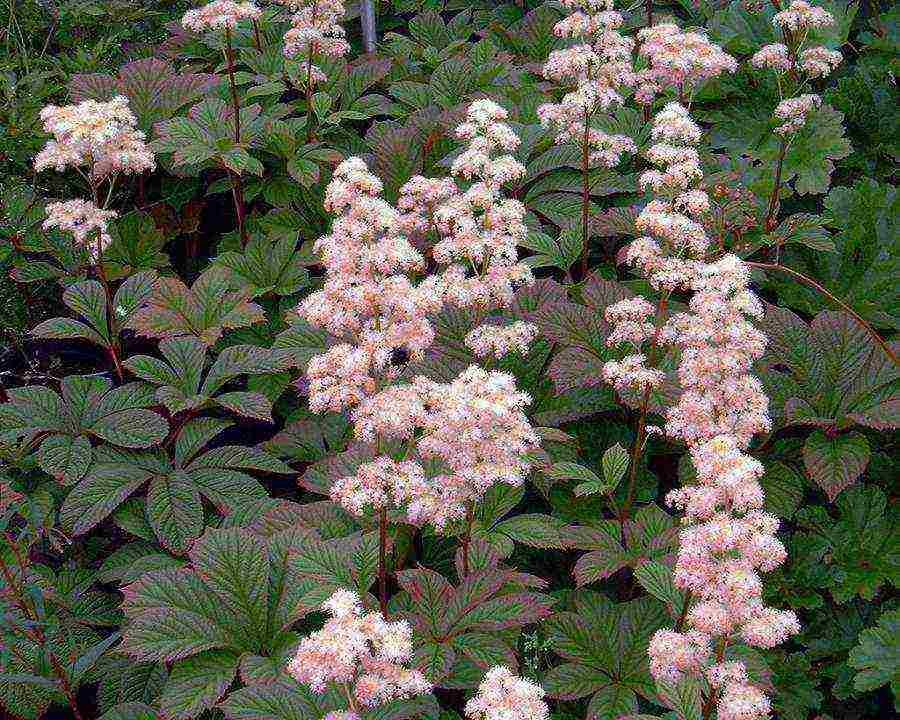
point(467, 538)
point(585, 197)
point(382, 561)
point(641, 431)
point(237, 190)
point(769, 222)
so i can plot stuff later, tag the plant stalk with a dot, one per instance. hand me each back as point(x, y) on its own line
point(585, 197)
point(237, 189)
point(641, 432)
point(769, 222)
point(467, 538)
point(837, 301)
point(382, 561)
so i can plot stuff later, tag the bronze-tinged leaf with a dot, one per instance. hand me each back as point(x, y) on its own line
point(835, 462)
point(203, 311)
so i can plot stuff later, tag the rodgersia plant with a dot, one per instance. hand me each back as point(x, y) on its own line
point(529, 369)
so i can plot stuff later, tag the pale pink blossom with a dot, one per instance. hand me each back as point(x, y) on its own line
point(220, 14)
point(794, 112)
point(87, 223)
point(800, 15)
point(504, 696)
point(361, 651)
point(100, 135)
point(740, 701)
point(819, 61)
point(315, 33)
point(499, 340)
point(774, 57)
point(681, 59)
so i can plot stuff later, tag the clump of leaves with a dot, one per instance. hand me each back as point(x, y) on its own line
point(205, 310)
point(62, 424)
point(176, 485)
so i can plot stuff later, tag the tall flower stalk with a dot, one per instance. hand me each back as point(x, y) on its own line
point(100, 141)
point(597, 67)
point(795, 64)
point(727, 539)
point(225, 15)
point(315, 33)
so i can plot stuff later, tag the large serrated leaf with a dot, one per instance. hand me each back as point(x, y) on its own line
point(198, 683)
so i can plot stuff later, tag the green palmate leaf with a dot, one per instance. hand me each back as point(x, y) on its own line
point(300, 342)
point(783, 489)
point(605, 648)
point(863, 270)
point(857, 553)
point(203, 311)
point(267, 266)
point(237, 573)
point(828, 373)
point(179, 377)
point(174, 513)
point(85, 406)
point(205, 137)
point(459, 631)
point(281, 700)
point(876, 658)
point(656, 579)
point(198, 683)
point(835, 463)
point(137, 245)
point(650, 536)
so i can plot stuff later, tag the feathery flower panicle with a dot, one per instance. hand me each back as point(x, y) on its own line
point(801, 15)
point(794, 111)
point(497, 341)
point(376, 485)
point(804, 63)
point(773, 57)
point(476, 427)
point(419, 198)
point(819, 61)
point(367, 297)
point(101, 135)
point(360, 650)
point(631, 320)
point(675, 238)
point(597, 68)
point(727, 539)
point(678, 59)
point(316, 31)
point(504, 696)
point(480, 228)
point(220, 14)
point(86, 222)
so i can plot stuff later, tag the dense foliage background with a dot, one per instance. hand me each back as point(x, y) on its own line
point(93, 505)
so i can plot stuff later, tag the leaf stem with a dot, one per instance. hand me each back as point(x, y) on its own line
point(237, 189)
point(382, 561)
point(837, 301)
point(467, 538)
